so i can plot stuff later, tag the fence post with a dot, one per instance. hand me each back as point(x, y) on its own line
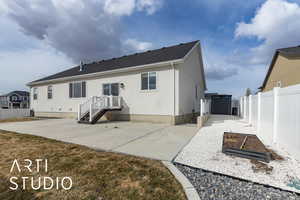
point(79, 112)
point(258, 113)
point(275, 115)
point(250, 109)
point(241, 107)
point(91, 109)
point(245, 107)
point(202, 107)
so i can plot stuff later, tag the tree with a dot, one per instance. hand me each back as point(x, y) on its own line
point(248, 92)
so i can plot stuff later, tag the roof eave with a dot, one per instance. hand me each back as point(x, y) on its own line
point(91, 75)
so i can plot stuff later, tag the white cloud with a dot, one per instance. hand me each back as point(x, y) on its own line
point(21, 67)
point(119, 7)
point(150, 6)
point(127, 7)
point(276, 23)
point(81, 29)
point(137, 45)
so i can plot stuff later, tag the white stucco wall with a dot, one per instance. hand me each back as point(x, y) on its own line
point(157, 102)
point(190, 76)
point(165, 100)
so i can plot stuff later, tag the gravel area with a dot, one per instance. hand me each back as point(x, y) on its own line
point(205, 152)
point(216, 186)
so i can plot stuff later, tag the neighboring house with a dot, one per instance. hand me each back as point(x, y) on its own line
point(163, 85)
point(15, 99)
point(284, 69)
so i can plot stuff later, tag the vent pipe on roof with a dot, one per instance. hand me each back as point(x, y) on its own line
point(81, 66)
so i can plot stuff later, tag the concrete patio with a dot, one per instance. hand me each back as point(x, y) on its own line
point(156, 141)
point(205, 152)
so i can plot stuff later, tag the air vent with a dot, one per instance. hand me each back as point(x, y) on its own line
point(81, 66)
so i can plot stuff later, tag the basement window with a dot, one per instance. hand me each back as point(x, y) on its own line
point(148, 81)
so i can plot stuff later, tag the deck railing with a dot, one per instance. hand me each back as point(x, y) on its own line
point(97, 103)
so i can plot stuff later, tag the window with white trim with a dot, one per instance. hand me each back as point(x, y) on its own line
point(77, 89)
point(35, 93)
point(148, 81)
point(110, 89)
point(49, 92)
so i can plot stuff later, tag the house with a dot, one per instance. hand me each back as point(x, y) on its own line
point(163, 85)
point(284, 69)
point(15, 99)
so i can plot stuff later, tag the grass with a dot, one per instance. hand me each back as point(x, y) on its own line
point(95, 175)
point(23, 119)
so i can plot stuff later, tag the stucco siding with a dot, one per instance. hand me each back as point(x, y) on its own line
point(285, 70)
point(190, 79)
point(136, 101)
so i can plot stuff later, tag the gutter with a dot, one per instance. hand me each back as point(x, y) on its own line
point(96, 74)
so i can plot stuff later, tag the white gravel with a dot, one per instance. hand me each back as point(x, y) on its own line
point(205, 152)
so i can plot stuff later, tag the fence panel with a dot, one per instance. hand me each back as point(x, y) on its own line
point(267, 117)
point(254, 111)
point(289, 120)
point(14, 113)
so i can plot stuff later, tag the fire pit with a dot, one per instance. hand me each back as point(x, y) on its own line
point(245, 146)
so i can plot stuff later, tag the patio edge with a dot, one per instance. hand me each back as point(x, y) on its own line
point(190, 191)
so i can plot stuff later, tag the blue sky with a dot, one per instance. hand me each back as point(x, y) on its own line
point(238, 38)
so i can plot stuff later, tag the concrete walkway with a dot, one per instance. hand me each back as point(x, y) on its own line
point(205, 152)
point(156, 141)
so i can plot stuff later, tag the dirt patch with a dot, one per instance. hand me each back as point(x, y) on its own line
point(274, 155)
point(258, 166)
point(23, 119)
point(95, 175)
point(243, 141)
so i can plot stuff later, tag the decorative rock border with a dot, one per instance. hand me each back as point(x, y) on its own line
point(188, 188)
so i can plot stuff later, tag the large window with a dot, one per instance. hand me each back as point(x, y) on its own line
point(77, 89)
point(148, 81)
point(111, 89)
point(50, 91)
point(35, 93)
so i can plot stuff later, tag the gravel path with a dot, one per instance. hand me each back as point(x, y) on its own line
point(205, 152)
point(215, 186)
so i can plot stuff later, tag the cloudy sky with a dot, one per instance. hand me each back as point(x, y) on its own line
point(40, 37)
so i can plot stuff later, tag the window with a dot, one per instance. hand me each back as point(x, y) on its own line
point(14, 98)
point(77, 89)
point(111, 89)
point(196, 92)
point(49, 94)
point(35, 94)
point(148, 81)
point(278, 84)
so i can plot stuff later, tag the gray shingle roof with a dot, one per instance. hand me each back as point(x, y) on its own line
point(290, 52)
point(138, 59)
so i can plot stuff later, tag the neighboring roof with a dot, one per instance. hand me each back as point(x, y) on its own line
point(290, 52)
point(21, 93)
point(149, 57)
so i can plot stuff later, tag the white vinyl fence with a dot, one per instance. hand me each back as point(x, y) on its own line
point(204, 107)
point(276, 117)
point(14, 113)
